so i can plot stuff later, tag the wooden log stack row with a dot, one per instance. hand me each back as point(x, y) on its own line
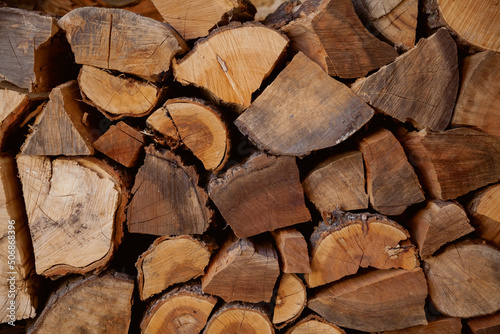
point(178, 167)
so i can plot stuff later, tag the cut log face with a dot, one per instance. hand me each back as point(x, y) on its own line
point(198, 126)
point(13, 108)
point(60, 128)
point(338, 183)
point(238, 318)
point(390, 179)
point(117, 39)
point(262, 195)
point(166, 197)
point(242, 270)
point(16, 250)
point(75, 212)
point(437, 224)
point(478, 101)
point(169, 261)
point(489, 324)
point(420, 86)
point(348, 241)
point(303, 110)
point(181, 310)
point(292, 247)
point(442, 159)
point(117, 97)
point(445, 325)
point(375, 301)
point(121, 143)
point(197, 19)
point(464, 280)
point(314, 324)
point(484, 212)
point(72, 307)
point(232, 61)
point(290, 300)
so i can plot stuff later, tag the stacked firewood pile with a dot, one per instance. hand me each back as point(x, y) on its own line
point(179, 167)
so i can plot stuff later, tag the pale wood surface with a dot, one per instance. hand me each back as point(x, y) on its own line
point(484, 212)
point(239, 318)
point(290, 299)
point(292, 247)
point(314, 324)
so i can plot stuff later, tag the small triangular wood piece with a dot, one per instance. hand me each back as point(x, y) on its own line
point(166, 198)
point(303, 110)
point(292, 247)
point(121, 143)
point(13, 108)
point(420, 86)
point(484, 213)
point(60, 129)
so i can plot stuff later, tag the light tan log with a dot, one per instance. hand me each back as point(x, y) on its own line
point(484, 212)
point(289, 301)
point(292, 248)
point(314, 324)
point(14, 106)
point(239, 318)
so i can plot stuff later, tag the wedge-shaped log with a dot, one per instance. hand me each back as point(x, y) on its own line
point(290, 300)
point(347, 241)
point(484, 212)
point(314, 324)
point(303, 110)
point(14, 106)
point(396, 300)
point(292, 248)
point(239, 318)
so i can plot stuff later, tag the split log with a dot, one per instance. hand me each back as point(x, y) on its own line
point(166, 197)
point(395, 20)
point(439, 326)
point(489, 324)
point(76, 210)
point(169, 261)
point(263, 194)
point(94, 304)
point(441, 160)
point(464, 279)
point(290, 300)
point(314, 324)
point(239, 318)
point(420, 86)
point(115, 96)
point(181, 310)
point(337, 183)
point(18, 265)
point(225, 63)
point(321, 29)
point(66, 126)
point(437, 224)
point(198, 126)
point(117, 39)
point(121, 143)
point(478, 102)
point(303, 110)
point(391, 181)
point(292, 248)
point(242, 270)
point(347, 241)
point(396, 300)
point(199, 17)
point(484, 212)
point(13, 109)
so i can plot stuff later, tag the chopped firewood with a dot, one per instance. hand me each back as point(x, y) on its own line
point(394, 20)
point(303, 110)
point(13, 108)
point(478, 101)
point(337, 183)
point(95, 304)
point(347, 241)
point(60, 129)
point(379, 300)
point(439, 326)
point(314, 324)
point(199, 17)
point(489, 324)
point(117, 39)
point(290, 300)
point(232, 61)
point(455, 162)
point(263, 194)
point(76, 210)
point(292, 248)
point(239, 318)
point(420, 86)
point(484, 212)
point(198, 126)
point(121, 143)
point(169, 261)
point(17, 267)
point(115, 96)
point(166, 197)
point(242, 270)
point(182, 310)
point(463, 279)
point(437, 224)
point(391, 181)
